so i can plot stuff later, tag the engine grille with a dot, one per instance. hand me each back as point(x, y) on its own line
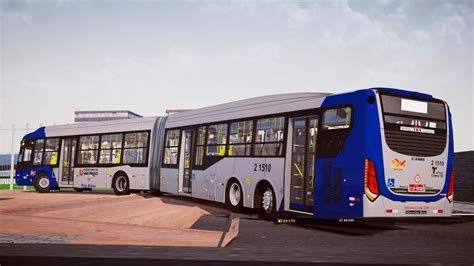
point(416, 144)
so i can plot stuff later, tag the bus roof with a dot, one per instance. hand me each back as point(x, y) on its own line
point(258, 106)
point(84, 128)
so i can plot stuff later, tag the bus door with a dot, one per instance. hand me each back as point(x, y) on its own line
point(302, 156)
point(185, 169)
point(66, 163)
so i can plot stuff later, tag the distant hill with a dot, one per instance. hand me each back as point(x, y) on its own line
point(5, 158)
point(464, 176)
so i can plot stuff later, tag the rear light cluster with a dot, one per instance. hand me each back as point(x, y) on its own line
point(450, 194)
point(370, 181)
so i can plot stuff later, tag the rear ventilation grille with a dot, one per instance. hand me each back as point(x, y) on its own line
point(415, 144)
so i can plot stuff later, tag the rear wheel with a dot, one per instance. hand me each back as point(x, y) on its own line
point(269, 211)
point(78, 189)
point(121, 185)
point(234, 196)
point(41, 183)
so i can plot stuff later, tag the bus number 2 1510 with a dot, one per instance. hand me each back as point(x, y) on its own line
point(262, 167)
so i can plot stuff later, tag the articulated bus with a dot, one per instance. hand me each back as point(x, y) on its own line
point(377, 152)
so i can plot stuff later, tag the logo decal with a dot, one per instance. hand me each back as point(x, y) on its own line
point(398, 164)
point(417, 179)
point(391, 182)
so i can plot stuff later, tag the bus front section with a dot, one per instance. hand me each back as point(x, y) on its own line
point(416, 175)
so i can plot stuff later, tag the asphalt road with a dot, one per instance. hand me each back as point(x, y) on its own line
point(408, 241)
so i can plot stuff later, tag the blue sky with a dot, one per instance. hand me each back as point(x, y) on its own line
point(148, 56)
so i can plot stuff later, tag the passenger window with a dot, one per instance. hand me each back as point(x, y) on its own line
point(135, 148)
point(110, 149)
point(51, 151)
point(335, 123)
point(171, 146)
point(88, 149)
point(240, 140)
point(270, 136)
point(38, 152)
point(201, 141)
point(338, 118)
point(216, 140)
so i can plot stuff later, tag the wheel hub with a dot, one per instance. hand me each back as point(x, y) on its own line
point(44, 182)
point(267, 201)
point(235, 194)
point(120, 183)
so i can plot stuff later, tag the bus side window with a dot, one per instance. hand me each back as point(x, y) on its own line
point(135, 148)
point(335, 130)
point(38, 152)
point(51, 151)
point(270, 136)
point(88, 149)
point(110, 149)
point(216, 140)
point(201, 142)
point(240, 140)
point(27, 152)
point(171, 151)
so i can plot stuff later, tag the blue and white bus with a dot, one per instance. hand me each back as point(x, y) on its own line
point(377, 152)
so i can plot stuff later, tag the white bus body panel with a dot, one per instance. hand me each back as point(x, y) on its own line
point(414, 170)
point(103, 127)
point(101, 177)
point(258, 106)
point(398, 208)
point(211, 183)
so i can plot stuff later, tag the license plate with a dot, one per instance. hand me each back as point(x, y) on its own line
point(416, 212)
point(416, 188)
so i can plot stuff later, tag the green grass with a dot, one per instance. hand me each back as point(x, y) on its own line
point(7, 186)
point(16, 187)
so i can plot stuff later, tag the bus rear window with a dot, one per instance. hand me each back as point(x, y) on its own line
point(338, 118)
point(407, 107)
point(414, 127)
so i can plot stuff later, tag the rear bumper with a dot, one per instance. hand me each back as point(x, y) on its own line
point(384, 207)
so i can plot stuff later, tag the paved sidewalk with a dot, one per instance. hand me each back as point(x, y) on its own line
point(98, 218)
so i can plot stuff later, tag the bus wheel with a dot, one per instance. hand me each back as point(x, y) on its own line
point(234, 196)
point(121, 185)
point(269, 212)
point(41, 183)
point(78, 189)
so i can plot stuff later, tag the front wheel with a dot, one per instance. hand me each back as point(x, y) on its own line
point(121, 185)
point(269, 211)
point(41, 183)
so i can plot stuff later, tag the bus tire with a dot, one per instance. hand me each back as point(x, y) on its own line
point(268, 210)
point(121, 184)
point(41, 183)
point(78, 189)
point(234, 196)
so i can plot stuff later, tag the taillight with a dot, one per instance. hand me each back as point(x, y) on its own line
point(451, 187)
point(370, 181)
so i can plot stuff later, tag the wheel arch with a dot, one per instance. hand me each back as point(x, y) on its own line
point(120, 172)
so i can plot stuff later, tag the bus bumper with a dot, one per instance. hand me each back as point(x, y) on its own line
point(384, 207)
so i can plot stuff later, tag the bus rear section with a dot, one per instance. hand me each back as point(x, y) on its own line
point(415, 177)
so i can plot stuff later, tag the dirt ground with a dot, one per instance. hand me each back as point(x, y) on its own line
point(104, 218)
